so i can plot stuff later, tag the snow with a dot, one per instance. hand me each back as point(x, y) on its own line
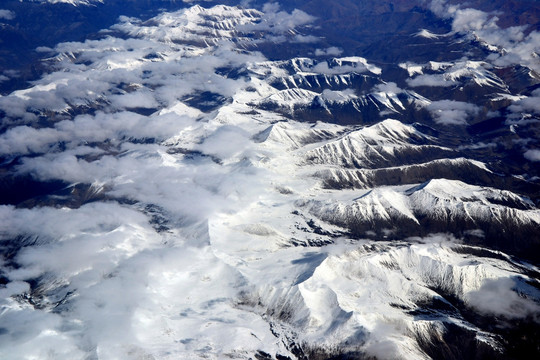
point(435, 65)
point(214, 239)
point(291, 97)
point(453, 73)
point(296, 135)
point(428, 34)
point(478, 71)
point(70, 2)
point(369, 145)
point(411, 68)
point(438, 198)
point(358, 60)
point(364, 178)
point(297, 69)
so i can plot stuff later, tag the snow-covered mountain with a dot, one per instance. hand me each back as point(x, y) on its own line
point(71, 2)
point(221, 181)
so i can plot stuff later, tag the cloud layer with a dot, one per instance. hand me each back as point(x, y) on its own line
point(119, 120)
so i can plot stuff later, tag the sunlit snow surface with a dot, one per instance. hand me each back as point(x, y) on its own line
point(198, 241)
point(70, 2)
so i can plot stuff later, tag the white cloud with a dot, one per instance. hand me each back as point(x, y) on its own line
point(479, 145)
point(499, 297)
point(472, 19)
point(226, 142)
point(527, 104)
point(278, 22)
point(532, 155)
point(25, 139)
point(117, 267)
point(306, 39)
point(450, 112)
point(7, 14)
point(435, 80)
point(439, 7)
point(518, 47)
point(389, 87)
point(476, 233)
point(338, 96)
point(330, 51)
point(83, 129)
point(109, 285)
point(137, 99)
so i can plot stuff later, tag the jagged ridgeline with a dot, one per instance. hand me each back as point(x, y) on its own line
point(291, 180)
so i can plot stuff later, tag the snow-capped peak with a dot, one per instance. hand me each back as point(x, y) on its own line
point(71, 2)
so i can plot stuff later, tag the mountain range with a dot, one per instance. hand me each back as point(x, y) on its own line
point(287, 180)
